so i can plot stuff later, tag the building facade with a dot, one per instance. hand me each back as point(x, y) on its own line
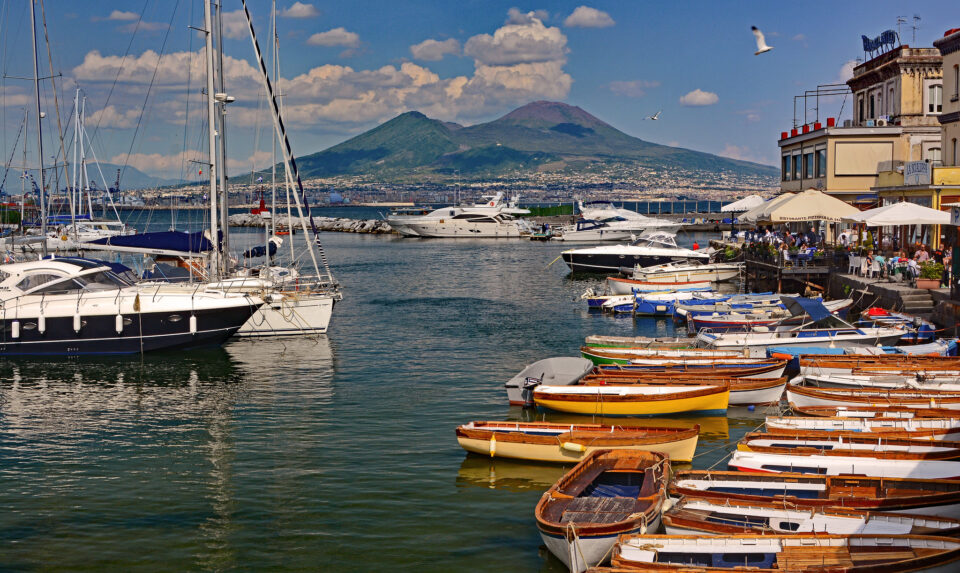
point(949, 47)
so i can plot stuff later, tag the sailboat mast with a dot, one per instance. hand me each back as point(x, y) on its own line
point(273, 139)
point(212, 136)
point(77, 142)
point(36, 94)
point(222, 139)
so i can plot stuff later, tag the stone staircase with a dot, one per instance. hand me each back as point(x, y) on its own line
point(917, 302)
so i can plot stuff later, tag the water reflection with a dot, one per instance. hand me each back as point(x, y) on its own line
point(511, 475)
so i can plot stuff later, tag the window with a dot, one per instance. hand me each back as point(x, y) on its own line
point(890, 110)
point(808, 165)
point(934, 155)
point(786, 169)
point(935, 98)
point(860, 105)
point(954, 151)
point(956, 81)
point(821, 162)
point(796, 166)
point(37, 279)
point(872, 108)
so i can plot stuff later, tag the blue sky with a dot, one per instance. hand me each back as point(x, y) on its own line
point(349, 65)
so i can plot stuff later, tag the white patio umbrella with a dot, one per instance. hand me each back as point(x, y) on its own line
point(809, 205)
point(760, 212)
point(903, 213)
point(744, 204)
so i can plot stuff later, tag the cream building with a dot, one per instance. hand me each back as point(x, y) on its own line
point(949, 47)
point(897, 98)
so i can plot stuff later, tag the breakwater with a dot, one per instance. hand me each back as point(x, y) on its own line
point(337, 224)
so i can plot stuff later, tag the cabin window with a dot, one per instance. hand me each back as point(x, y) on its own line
point(37, 279)
point(64, 285)
point(702, 559)
point(789, 525)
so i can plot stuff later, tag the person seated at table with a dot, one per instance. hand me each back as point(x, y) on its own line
point(921, 256)
point(881, 265)
point(913, 269)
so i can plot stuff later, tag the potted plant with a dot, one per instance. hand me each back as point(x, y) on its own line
point(931, 273)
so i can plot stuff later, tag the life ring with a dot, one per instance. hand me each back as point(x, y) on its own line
point(491, 203)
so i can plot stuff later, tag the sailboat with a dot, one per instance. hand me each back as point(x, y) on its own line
point(297, 302)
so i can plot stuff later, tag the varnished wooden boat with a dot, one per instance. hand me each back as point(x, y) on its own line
point(870, 397)
point(867, 362)
point(809, 553)
point(743, 391)
point(690, 516)
point(837, 464)
point(871, 412)
point(640, 400)
point(914, 496)
point(878, 446)
point(623, 355)
point(609, 493)
point(703, 368)
point(565, 443)
point(947, 429)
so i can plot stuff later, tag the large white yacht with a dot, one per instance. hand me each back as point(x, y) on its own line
point(651, 248)
point(73, 306)
point(491, 218)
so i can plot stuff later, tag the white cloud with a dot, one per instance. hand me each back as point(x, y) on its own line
point(110, 116)
point(143, 26)
point(518, 43)
point(846, 71)
point(741, 152)
point(699, 97)
point(121, 16)
point(335, 37)
point(158, 163)
point(235, 25)
point(300, 10)
point(635, 88)
point(799, 38)
point(587, 17)
point(434, 50)
point(517, 16)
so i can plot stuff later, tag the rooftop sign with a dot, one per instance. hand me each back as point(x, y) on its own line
point(882, 43)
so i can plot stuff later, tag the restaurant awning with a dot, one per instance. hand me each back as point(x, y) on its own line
point(902, 213)
point(744, 204)
point(809, 205)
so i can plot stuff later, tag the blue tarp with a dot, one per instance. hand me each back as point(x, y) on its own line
point(260, 251)
point(163, 240)
point(798, 305)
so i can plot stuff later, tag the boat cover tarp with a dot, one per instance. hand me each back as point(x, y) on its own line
point(161, 240)
point(799, 305)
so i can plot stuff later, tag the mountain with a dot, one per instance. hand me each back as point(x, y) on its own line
point(538, 136)
point(132, 178)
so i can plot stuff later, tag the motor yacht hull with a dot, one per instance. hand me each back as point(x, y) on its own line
point(610, 263)
point(462, 230)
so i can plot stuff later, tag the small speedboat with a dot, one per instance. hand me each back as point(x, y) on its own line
point(646, 400)
point(810, 491)
point(609, 493)
point(690, 516)
point(621, 285)
point(651, 248)
point(809, 553)
point(557, 371)
point(920, 330)
point(565, 443)
point(679, 272)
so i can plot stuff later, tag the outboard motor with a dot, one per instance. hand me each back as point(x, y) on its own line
point(528, 385)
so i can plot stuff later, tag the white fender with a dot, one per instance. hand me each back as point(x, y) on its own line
point(15, 329)
point(493, 445)
point(573, 447)
point(42, 324)
point(76, 322)
point(193, 324)
point(118, 324)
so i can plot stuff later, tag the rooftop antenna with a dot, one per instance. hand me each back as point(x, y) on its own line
point(900, 20)
point(916, 26)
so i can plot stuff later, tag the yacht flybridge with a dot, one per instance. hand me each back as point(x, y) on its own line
point(601, 221)
point(490, 218)
point(74, 306)
point(651, 248)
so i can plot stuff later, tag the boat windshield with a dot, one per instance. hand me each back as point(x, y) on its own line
point(99, 281)
point(659, 239)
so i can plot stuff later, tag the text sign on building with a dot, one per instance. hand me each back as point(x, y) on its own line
point(916, 173)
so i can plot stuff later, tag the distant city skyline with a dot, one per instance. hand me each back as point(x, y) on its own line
point(348, 66)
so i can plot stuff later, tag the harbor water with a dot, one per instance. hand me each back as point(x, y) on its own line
point(334, 453)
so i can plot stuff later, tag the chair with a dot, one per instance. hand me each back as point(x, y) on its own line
point(854, 264)
point(876, 269)
point(864, 266)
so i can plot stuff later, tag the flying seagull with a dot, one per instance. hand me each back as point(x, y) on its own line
point(655, 116)
point(761, 43)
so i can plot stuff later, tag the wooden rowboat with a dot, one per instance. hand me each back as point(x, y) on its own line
point(645, 400)
point(609, 493)
point(743, 369)
point(872, 412)
point(915, 496)
point(854, 445)
point(624, 355)
point(825, 463)
point(690, 516)
point(564, 443)
point(743, 391)
point(810, 553)
point(917, 428)
point(872, 397)
point(652, 344)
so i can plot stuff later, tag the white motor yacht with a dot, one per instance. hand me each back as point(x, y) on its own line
point(651, 248)
point(489, 218)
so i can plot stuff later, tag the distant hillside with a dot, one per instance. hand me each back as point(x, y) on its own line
point(540, 135)
point(132, 178)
